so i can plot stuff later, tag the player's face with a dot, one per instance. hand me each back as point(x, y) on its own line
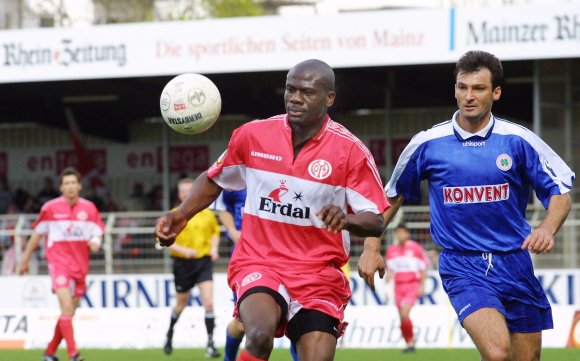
point(70, 187)
point(475, 95)
point(402, 235)
point(306, 99)
point(183, 190)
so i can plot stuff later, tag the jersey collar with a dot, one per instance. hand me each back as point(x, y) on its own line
point(464, 135)
point(320, 132)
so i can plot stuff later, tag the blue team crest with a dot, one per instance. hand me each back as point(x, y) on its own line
point(504, 162)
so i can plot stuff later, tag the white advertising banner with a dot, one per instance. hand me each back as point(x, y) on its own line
point(116, 307)
point(394, 37)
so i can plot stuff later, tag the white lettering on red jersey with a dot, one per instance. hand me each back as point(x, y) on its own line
point(280, 227)
point(407, 261)
point(68, 230)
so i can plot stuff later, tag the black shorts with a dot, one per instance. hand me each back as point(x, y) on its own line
point(306, 321)
point(189, 272)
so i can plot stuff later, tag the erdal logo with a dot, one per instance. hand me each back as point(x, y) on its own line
point(278, 192)
point(476, 194)
point(273, 203)
point(319, 169)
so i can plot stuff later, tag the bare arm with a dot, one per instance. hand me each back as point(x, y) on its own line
point(390, 213)
point(371, 261)
point(203, 192)
point(31, 245)
point(422, 277)
point(542, 238)
point(227, 219)
point(187, 252)
point(365, 224)
point(215, 242)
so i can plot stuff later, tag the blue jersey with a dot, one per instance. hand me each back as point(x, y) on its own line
point(479, 183)
point(233, 202)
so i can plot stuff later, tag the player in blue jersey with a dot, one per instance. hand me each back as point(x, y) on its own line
point(480, 169)
point(229, 208)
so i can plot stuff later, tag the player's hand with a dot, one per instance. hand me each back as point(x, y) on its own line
point(369, 263)
point(190, 253)
point(333, 217)
point(168, 227)
point(24, 268)
point(539, 241)
point(421, 290)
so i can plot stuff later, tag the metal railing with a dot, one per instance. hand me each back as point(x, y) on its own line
point(129, 244)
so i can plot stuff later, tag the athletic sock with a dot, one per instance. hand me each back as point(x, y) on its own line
point(232, 346)
point(293, 352)
point(245, 356)
point(56, 338)
point(172, 322)
point(407, 329)
point(209, 325)
point(66, 328)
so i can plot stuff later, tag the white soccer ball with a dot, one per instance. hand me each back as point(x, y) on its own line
point(190, 103)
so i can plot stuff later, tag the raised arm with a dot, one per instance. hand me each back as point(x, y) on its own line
point(203, 192)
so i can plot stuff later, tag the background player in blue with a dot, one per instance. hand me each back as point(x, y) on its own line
point(230, 208)
point(480, 169)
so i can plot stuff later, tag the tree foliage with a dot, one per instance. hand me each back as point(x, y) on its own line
point(234, 8)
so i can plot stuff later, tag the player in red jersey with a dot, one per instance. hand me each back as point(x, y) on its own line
point(71, 226)
point(310, 182)
point(407, 264)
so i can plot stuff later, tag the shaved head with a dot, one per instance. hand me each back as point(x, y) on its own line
point(322, 71)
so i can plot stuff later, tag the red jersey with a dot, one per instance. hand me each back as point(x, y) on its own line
point(280, 227)
point(67, 230)
point(406, 261)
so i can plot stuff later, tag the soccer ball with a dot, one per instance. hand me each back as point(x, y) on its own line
point(190, 103)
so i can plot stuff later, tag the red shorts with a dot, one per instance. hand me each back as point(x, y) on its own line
point(406, 293)
point(62, 277)
point(326, 290)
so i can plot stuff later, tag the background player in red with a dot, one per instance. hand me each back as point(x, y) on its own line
point(407, 264)
point(310, 182)
point(71, 226)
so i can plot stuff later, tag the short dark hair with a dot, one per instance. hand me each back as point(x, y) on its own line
point(402, 225)
point(70, 171)
point(475, 60)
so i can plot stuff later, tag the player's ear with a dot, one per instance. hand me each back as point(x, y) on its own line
point(497, 93)
point(330, 98)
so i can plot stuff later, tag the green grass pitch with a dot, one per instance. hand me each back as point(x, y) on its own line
point(282, 355)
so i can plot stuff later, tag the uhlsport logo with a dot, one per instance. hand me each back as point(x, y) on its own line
point(504, 162)
point(319, 169)
point(273, 203)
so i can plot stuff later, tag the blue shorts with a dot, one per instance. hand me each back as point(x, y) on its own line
point(503, 281)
